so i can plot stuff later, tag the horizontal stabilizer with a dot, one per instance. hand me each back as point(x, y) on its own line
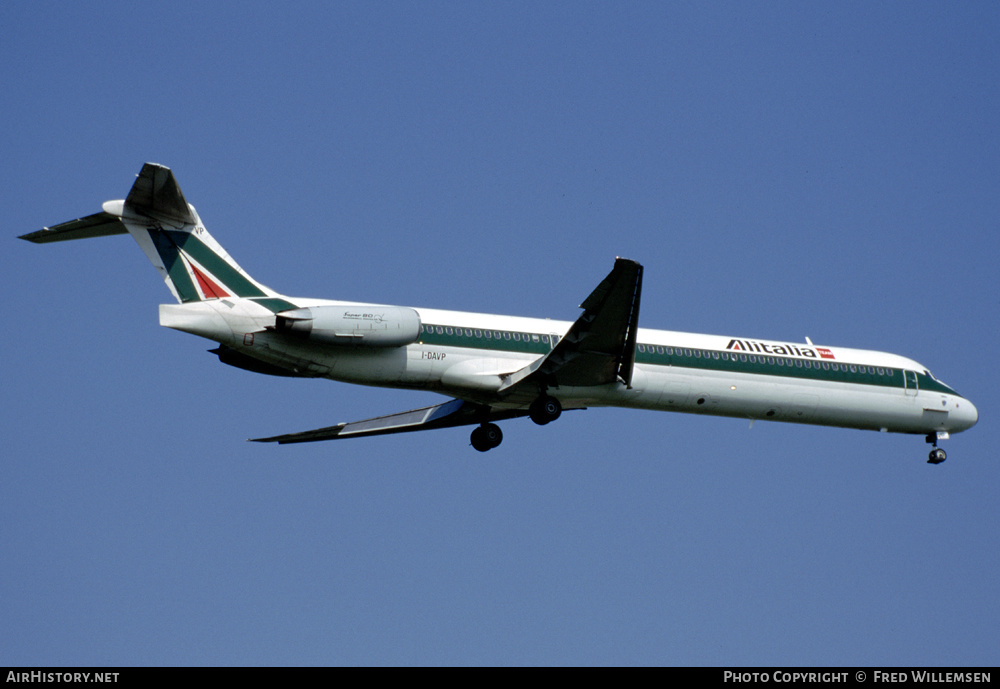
point(97, 225)
point(157, 194)
point(194, 266)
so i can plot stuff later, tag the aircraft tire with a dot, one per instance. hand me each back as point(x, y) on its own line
point(486, 437)
point(545, 409)
point(492, 434)
point(937, 456)
point(479, 442)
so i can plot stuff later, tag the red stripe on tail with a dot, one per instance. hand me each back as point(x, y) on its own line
point(208, 288)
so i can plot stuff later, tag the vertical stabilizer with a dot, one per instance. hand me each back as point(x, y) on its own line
point(194, 265)
point(169, 231)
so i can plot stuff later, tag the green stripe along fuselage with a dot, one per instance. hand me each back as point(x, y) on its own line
point(695, 358)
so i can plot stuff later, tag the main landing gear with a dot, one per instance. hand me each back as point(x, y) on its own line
point(937, 454)
point(486, 437)
point(545, 409)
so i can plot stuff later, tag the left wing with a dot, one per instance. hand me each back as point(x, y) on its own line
point(447, 415)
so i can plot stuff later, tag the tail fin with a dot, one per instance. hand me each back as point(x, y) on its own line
point(169, 231)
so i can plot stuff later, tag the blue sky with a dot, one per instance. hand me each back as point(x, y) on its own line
point(782, 170)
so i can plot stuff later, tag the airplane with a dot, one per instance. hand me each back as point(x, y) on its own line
point(494, 367)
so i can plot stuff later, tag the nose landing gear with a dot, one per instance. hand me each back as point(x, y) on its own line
point(937, 454)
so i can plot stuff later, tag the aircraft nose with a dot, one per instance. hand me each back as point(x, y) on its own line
point(965, 415)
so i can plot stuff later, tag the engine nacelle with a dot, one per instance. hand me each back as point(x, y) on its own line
point(362, 325)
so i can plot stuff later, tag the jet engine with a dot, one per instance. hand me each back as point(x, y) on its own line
point(360, 325)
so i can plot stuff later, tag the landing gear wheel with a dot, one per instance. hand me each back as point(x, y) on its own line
point(937, 456)
point(486, 437)
point(545, 409)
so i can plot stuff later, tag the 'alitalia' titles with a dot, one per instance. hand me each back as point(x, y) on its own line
point(780, 349)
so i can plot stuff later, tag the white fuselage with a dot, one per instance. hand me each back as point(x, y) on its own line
point(467, 356)
point(503, 367)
